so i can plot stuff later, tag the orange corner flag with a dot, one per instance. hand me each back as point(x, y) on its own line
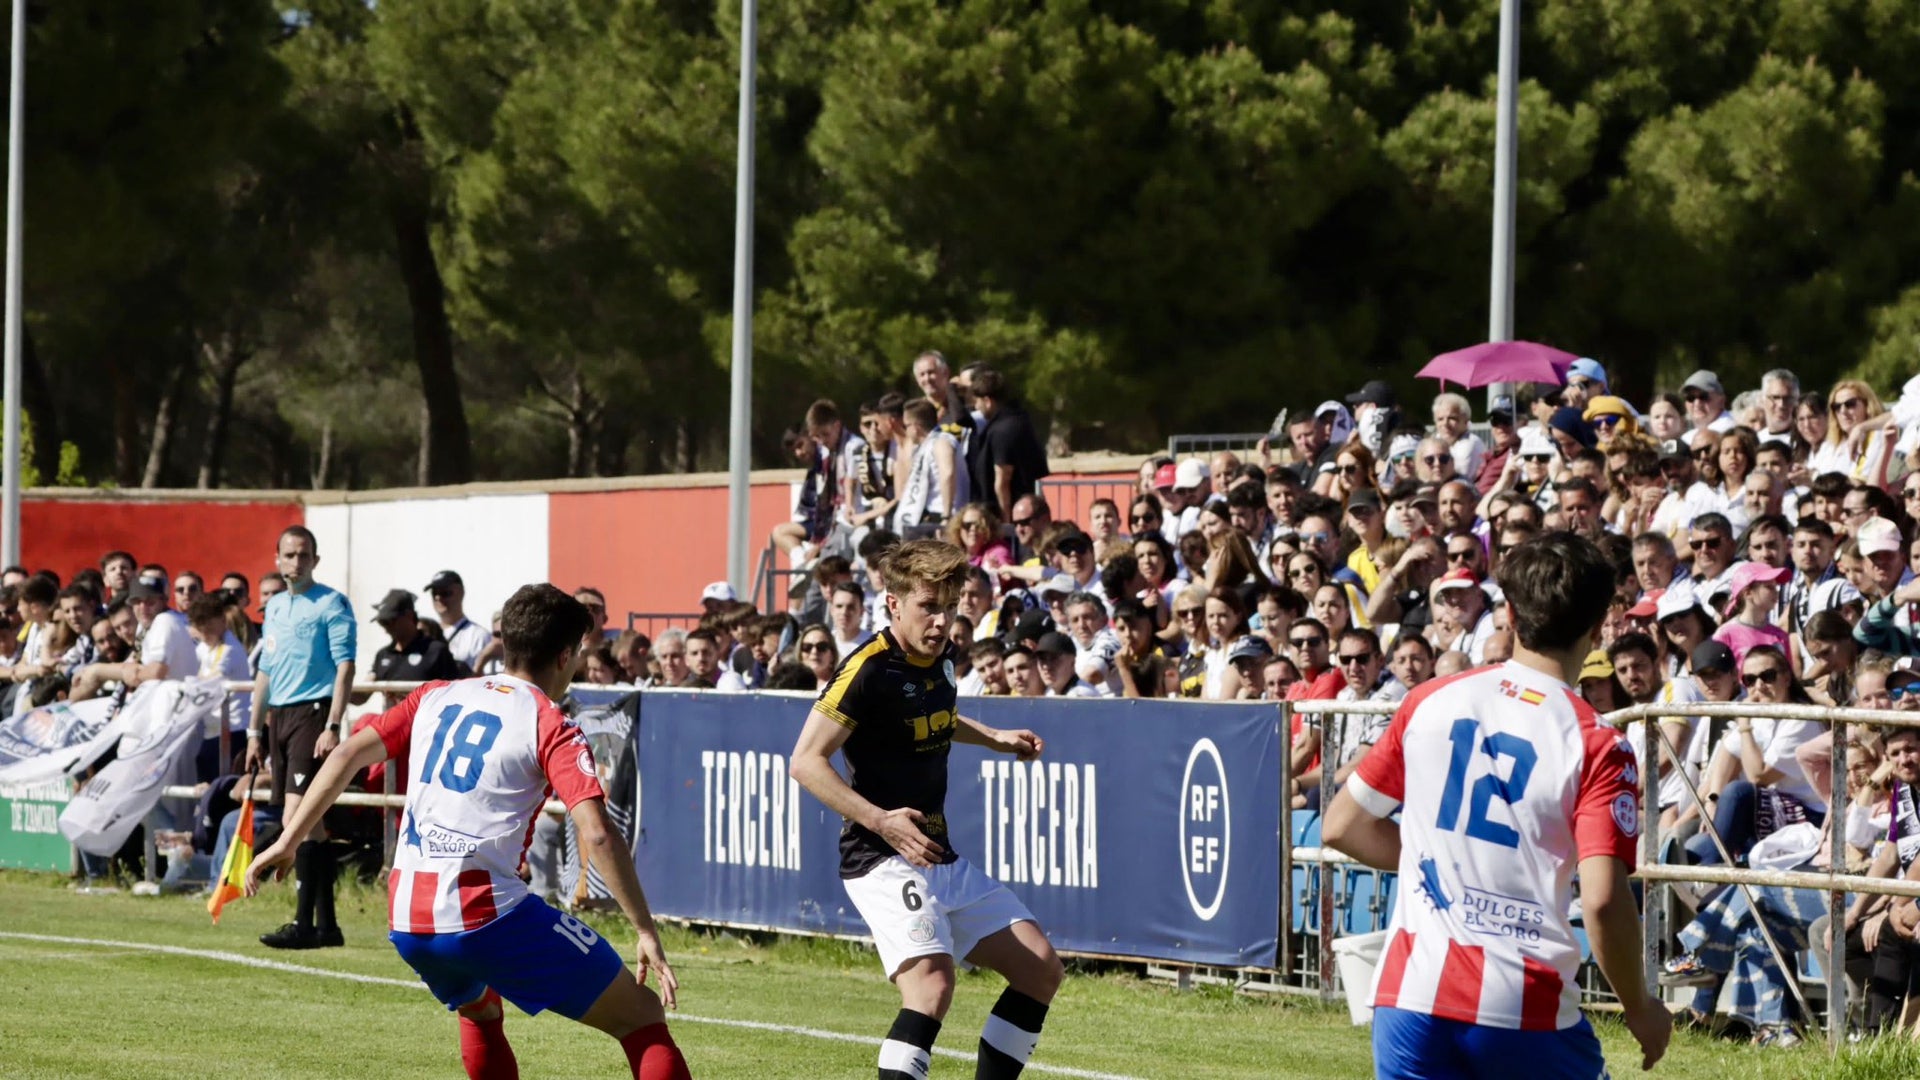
point(233, 875)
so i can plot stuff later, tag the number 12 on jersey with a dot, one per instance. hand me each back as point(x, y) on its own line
point(465, 747)
point(1500, 744)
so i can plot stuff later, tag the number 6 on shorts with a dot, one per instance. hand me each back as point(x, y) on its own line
point(909, 897)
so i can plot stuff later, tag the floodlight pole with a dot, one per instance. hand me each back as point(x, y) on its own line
point(1505, 173)
point(740, 442)
point(10, 388)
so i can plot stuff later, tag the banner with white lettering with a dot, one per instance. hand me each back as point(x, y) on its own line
point(1148, 828)
point(56, 740)
point(164, 724)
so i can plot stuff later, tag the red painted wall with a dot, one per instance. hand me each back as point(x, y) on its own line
point(212, 538)
point(653, 550)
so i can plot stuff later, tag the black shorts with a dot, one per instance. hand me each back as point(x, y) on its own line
point(291, 732)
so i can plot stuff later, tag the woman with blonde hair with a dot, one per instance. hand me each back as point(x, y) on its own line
point(976, 531)
point(1861, 451)
point(1231, 563)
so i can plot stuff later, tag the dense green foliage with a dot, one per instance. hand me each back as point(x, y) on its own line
point(296, 248)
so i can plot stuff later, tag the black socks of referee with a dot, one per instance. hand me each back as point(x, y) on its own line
point(907, 1053)
point(1011, 1032)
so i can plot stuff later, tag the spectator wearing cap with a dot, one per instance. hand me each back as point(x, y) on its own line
point(410, 654)
point(466, 640)
point(1609, 417)
point(1243, 675)
point(165, 648)
point(1531, 470)
point(1461, 619)
point(1752, 591)
point(1375, 412)
point(1366, 518)
point(1683, 623)
point(1058, 667)
point(716, 596)
point(1192, 484)
point(1005, 459)
point(1706, 402)
point(1506, 440)
point(1891, 622)
point(1451, 416)
point(1712, 676)
point(1586, 380)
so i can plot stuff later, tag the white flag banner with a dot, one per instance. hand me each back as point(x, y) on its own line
point(54, 740)
point(163, 724)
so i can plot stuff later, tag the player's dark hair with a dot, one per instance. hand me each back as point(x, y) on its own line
point(1634, 643)
point(792, 675)
point(207, 607)
point(538, 624)
point(298, 531)
point(1560, 586)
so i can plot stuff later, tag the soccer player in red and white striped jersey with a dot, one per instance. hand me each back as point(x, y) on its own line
point(485, 753)
point(1517, 784)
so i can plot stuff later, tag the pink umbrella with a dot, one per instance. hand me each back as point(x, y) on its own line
point(1501, 361)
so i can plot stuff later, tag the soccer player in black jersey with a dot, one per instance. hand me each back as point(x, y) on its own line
point(890, 709)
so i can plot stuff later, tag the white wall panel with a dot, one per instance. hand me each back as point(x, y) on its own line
point(497, 543)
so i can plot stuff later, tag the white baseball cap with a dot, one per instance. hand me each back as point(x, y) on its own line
point(1190, 473)
point(1877, 534)
point(1677, 600)
point(1534, 440)
point(721, 591)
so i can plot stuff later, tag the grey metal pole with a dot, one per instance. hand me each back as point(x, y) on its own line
point(740, 443)
point(1505, 172)
point(10, 391)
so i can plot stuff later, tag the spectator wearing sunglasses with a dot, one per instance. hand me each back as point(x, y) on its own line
point(1610, 417)
point(1710, 541)
point(1706, 402)
point(1363, 665)
point(1309, 649)
point(1754, 781)
point(1433, 462)
point(1451, 415)
point(1857, 445)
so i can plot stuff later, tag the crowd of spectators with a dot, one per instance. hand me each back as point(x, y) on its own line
point(1765, 547)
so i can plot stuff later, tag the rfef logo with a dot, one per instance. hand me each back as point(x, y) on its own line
point(1206, 829)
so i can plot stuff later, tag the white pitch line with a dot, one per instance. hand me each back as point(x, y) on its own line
point(414, 984)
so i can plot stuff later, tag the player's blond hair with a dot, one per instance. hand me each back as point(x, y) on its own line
point(940, 566)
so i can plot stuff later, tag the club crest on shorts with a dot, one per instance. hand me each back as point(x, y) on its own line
point(1626, 814)
point(920, 929)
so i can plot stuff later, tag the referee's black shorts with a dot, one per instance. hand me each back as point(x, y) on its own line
point(291, 733)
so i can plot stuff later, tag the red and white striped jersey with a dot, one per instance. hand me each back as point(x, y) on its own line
point(483, 757)
point(1515, 780)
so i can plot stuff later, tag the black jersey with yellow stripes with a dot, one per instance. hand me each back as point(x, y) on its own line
point(900, 714)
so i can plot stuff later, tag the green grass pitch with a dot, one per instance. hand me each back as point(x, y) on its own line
point(71, 1011)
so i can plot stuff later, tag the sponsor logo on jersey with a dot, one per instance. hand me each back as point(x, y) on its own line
point(440, 842)
point(1042, 822)
point(1431, 887)
point(1206, 829)
point(1626, 813)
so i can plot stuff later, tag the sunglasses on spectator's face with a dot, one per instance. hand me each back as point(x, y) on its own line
point(1850, 403)
point(1071, 548)
point(1463, 555)
point(1708, 544)
point(1911, 493)
point(1537, 459)
point(1693, 396)
point(1307, 642)
point(1141, 519)
point(1355, 658)
point(1767, 675)
point(1188, 612)
point(972, 523)
point(815, 646)
point(1435, 459)
point(1023, 523)
point(1402, 459)
point(1303, 572)
point(1606, 420)
point(1349, 469)
point(1316, 537)
point(1895, 693)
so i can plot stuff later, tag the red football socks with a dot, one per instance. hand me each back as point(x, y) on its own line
point(651, 1053)
point(483, 1046)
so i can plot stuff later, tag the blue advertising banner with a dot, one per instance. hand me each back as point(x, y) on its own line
point(1147, 829)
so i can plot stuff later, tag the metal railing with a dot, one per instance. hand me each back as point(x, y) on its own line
point(1178, 445)
point(651, 623)
point(1073, 499)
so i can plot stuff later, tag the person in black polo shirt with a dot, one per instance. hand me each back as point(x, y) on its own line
point(411, 655)
point(1006, 460)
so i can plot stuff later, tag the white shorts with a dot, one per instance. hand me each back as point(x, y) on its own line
point(940, 910)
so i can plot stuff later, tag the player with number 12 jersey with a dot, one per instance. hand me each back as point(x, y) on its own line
point(1505, 781)
point(482, 756)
